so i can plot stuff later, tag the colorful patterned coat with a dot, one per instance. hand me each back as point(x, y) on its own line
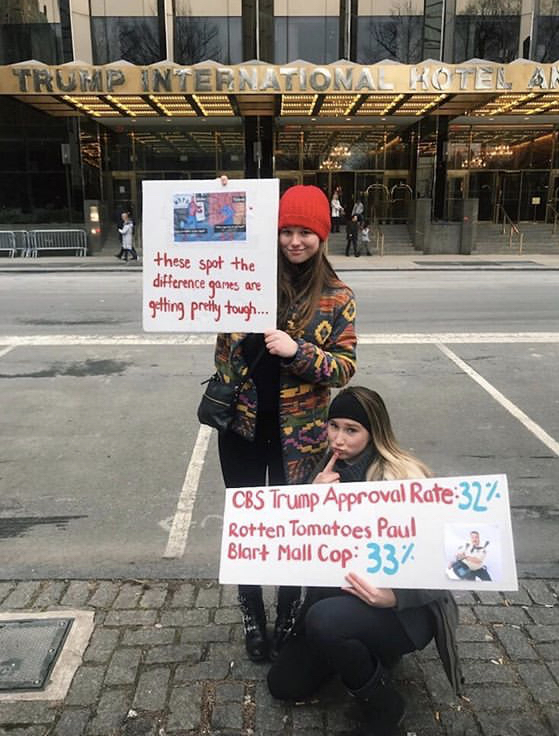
point(325, 358)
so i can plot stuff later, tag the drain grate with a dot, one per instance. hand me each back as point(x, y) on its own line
point(29, 649)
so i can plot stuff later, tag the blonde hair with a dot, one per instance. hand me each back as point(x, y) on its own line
point(391, 462)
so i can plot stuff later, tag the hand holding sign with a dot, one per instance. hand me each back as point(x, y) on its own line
point(210, 255)
point(328, 475)
point(279, 343)
point(377, 597)
point(391, 534)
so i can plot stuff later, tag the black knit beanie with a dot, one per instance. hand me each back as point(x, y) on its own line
point(347, 406)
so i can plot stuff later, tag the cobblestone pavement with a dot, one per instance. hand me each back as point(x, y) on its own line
point(166, 659)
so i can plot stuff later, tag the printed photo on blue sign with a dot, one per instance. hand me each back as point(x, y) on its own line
point(209, 217)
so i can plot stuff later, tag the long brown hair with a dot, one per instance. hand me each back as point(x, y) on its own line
point(300, 287)
point(391, 462)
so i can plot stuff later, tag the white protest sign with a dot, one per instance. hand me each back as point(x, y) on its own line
point(433, 533)
point(210, 255)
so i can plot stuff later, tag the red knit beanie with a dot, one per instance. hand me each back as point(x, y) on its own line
point(305, 206)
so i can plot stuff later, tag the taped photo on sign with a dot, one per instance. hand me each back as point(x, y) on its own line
point(473, 553)
point(209, 217)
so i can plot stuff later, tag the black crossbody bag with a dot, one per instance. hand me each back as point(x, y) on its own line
point(218, 403)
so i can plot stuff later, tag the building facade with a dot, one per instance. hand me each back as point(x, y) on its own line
point(391, 100)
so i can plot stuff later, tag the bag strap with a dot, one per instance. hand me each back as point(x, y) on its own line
point(255, 362)
point(251, 368)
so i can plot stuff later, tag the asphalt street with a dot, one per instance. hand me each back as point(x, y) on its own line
point(98, 429)
point(391, 301)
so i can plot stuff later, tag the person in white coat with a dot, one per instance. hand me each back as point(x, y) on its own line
point(127, 238)
point(337, 211)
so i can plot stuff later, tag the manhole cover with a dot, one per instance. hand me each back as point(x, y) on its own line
point(28, 650)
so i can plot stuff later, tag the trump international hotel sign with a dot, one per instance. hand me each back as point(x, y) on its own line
point(298, 77)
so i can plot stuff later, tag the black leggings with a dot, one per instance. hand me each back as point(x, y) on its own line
point(343, 635)
point(257, 463)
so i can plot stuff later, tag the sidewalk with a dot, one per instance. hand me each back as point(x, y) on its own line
point(167, 658)
point(106, 261)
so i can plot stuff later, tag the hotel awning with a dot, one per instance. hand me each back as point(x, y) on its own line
point(298, 89)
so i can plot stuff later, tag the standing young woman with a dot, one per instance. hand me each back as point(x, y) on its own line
point(279, 430)
point(359, 631)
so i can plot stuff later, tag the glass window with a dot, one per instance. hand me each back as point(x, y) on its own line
point(394, 36)
point(313, 39)
point(30, 30)
point(133, 39)
point(546, 32)
point(390, 29)
point(208, 37)
point(33, 183)
point(487, 29)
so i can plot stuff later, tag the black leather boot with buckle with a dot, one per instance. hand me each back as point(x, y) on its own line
point(287, 609)
point(254, 622)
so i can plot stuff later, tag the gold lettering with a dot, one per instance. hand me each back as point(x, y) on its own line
point(91, 82)
point(161, 80)
point(343, 78)
point(484, 77)
point(314, 79)
point(417, 77)
point(40, 77)
point(202, 80)
point(248, 78)
point(365, 80)
point(271, 80)
point(22, 74)
point(182, 74)
point(501, 79)
point(224, 77)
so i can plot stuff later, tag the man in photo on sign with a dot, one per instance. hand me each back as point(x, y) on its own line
point(470, 560)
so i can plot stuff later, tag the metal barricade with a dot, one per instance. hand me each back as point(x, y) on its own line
point(41, 240)
point(23, 246)
point(8, 242)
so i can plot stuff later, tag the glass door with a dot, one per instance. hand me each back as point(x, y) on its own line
point(535, 185)
point(455, 193)
point(483, 187)
point(509, 193)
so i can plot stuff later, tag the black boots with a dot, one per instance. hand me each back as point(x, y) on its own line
point(254, 622)
point(286, 616)
point(383, 708)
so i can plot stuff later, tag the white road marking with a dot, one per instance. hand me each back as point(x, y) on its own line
point(204, 339)
point(517, 413)
point(182, 520)
point(178, 535)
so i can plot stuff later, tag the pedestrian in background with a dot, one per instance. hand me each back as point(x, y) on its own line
point(127, 238)
point(359, 632)
point(352, 235)
point(364, 237)
point(279, 428)
point(337, 211)
point(358, 209)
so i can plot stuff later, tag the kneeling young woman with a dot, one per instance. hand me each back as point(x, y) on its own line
point(360, 631)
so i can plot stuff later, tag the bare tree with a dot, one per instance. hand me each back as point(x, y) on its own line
point(397, 36)
point(488, 29)
point(139, 42)
point(196, 40)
